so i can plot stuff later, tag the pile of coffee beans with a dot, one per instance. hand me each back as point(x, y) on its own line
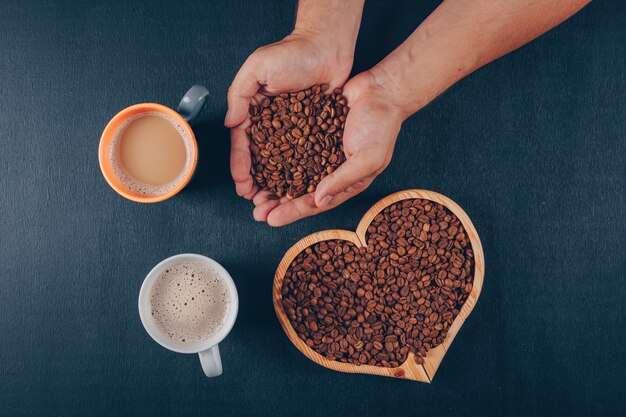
point(295, 140)
point(373, 305)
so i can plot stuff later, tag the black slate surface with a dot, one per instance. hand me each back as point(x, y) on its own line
point(533, 147)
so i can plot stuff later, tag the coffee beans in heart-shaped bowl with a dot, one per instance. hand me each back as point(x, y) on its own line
point(388, 299)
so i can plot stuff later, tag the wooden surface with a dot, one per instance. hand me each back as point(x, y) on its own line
point(531, 146)
point(409, 369)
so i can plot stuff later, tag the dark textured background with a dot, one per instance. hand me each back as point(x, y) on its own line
point(532, 147)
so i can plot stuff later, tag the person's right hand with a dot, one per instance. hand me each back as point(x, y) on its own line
point(369, 137)
point(295, 63)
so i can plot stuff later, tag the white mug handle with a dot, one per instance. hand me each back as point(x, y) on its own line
point(211, 361)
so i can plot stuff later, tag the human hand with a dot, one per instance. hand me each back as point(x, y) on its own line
point(370, 133)
point(297, 62)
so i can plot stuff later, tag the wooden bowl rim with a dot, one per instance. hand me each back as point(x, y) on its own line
point(409, 369)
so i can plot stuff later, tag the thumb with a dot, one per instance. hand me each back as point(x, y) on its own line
point(352, 175)
point(243, 88)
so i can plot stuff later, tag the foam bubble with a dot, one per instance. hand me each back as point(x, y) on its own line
point(137, 186)
point(190, 302)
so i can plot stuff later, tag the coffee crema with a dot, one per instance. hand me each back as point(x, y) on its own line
point(190, 302)
point(151, 153)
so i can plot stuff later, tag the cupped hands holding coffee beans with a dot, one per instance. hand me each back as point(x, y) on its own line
point(309, 57)
point(293, 158)
point(302, 144)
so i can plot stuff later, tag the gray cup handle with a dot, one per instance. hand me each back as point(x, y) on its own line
point(192, 103)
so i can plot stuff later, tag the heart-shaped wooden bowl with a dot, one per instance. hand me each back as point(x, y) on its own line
point(409, 369)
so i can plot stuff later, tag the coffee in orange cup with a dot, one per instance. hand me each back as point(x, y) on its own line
point(148, 152)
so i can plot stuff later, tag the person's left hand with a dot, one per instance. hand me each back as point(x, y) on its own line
point(370, 134)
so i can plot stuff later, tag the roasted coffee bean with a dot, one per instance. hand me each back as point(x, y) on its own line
point(296, 140)
point(400, 294)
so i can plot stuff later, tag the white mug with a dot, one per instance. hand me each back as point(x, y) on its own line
point(207, 349)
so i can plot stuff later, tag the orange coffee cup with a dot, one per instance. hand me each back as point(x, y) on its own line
point(188, 110)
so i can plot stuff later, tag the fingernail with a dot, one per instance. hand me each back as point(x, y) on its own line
point(227, 117)
point(326, 200)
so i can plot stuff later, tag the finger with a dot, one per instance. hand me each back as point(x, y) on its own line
point(258, 98)
point(355, 86)
point(290, 211)
point(352, 173)
point(244, 86)
point(250, 195)
point(261, 211)
point(262, 197)
point(240, 160)
point(348, 193)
